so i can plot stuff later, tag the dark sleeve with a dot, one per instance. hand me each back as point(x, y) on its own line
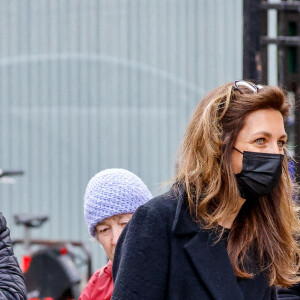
point(12, 286)
point(140, 264)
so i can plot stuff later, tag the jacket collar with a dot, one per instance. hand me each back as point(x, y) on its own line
point(210, 259)
point(183, 223)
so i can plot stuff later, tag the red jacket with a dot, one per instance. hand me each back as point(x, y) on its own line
point(100, 285)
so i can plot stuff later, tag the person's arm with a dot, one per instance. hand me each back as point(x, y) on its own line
point(140, 266)
point(12, 286)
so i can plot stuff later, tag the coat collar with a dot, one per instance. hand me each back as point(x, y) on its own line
point(183, 223)
point(210, 259)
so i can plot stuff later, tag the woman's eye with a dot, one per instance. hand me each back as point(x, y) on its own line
point(260, 141)
point(281, 144)
point(102, 230)
point(123, 223)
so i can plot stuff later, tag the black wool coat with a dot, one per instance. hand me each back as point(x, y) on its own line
point(163, 254)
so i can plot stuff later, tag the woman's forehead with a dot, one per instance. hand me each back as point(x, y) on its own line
point(265, 121)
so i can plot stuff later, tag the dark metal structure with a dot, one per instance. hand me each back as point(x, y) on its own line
point(255, 58)
point(251, 36)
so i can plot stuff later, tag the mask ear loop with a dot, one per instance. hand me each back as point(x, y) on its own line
point(238, 150)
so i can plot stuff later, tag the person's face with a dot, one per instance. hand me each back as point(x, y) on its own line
point(109, 230)
point(263, 131)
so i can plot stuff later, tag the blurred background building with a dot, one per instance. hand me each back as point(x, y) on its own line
point(271, 54)
point(89, 85)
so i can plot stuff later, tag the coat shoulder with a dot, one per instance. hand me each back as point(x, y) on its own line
point(142, 254)
point(164, 205)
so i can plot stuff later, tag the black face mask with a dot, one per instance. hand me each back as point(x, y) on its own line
point(260, 173)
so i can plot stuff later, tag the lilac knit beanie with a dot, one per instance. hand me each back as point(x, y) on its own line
point(113, 192)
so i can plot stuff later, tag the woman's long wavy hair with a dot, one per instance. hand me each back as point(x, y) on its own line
point(271, 224)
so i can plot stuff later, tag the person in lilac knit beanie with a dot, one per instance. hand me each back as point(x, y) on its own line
point(110, 199)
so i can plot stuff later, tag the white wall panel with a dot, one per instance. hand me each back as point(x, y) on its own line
point(87, 85)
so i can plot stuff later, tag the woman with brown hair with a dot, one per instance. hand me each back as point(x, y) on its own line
point(228, 227)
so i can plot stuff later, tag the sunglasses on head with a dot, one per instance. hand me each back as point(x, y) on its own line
point(242, 85)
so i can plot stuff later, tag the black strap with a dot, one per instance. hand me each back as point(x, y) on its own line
point(238, 150)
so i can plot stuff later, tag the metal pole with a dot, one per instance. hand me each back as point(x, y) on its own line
point(281, 51)
point(297, 132)
point(27, 241)
point(251, 40)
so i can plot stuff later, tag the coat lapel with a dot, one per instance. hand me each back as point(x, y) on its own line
point(213, 266)
point(211, 260)
point(256, 287)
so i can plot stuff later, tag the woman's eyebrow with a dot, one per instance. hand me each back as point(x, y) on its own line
point(265, 133)
point(101, 224)
point(268, 134)
point(284, 136)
